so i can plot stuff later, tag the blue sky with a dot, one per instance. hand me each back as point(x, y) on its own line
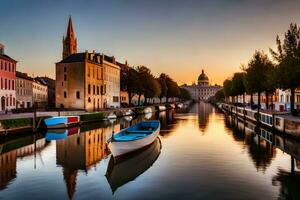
point(175, 37)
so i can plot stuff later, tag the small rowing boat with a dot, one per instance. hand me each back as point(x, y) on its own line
point(134, 137)
point(61, 122)
point(58, 134)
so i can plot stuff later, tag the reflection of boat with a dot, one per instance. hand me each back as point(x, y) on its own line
point(61, 121)
point(128, 113)
point(134, 137)
point(148, 115)
point(129, 168)
point(128, 118)
point(58, 134)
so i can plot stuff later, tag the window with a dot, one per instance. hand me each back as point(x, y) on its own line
point(97, 90)
point(65, 69)
point(65, 94)
point(89, 89)
point(115, 99)
point(65, 77)
point(78, 95)
point(94, 89)
point(62, 83)
point(13, 84)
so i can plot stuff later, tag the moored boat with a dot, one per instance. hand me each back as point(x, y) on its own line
point(134, 137)
point(58, 134)
point(111, 116)
point(61, 122)
point(162, 108)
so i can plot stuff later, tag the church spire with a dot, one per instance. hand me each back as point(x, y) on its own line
point(69, 41)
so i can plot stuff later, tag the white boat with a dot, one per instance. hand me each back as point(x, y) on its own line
point(180, 105)
point(128, 113)
point(162, 108)
point(134, 138)
point(111, 116)
point(147, 110)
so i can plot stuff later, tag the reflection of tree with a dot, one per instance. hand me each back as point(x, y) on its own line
point(260, 151)
point(204, 111)
point(289, 183)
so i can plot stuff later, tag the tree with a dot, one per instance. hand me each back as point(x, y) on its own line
point(288, 59)
point(163, 85)
point(257, 74)
point(172, 89)
point(237, 85)
point(185, 94)
point(132, 82)
point(219, 96)
point(227, 88)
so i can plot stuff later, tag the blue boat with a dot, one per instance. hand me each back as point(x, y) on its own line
point(59, 134)
point(134, 137)
point(61, 122)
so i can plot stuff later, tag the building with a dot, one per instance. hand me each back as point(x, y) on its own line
point(203, 90)
point(124, 98)
point(40, 93)
point(23, 90)
point(89, 81)
point(7, 82)
point(51, 89)
point(283, 102)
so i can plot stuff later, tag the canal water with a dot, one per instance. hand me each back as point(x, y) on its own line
point(200, 154)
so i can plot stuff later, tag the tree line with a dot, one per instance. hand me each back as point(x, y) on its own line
point(141, 82)
point(263, 76)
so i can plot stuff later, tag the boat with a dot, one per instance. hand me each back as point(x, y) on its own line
point(162, 108)
point(147, 110)
point(61, 122)
point(128, 113)
point(121, 172)
point(134, 137)
point(59, 134)
point(180, 105)
point(172, 106)
point(148, 115)
point(111, 116)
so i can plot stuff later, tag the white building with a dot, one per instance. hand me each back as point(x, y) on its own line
point(283, 102)
point(40, 93)
point(203, 90)
point(23, 90)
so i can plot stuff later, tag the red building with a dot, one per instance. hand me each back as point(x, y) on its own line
point(7, 81)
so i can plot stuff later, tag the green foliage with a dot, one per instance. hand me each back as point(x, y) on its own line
point(92, 117)
point(227, 85)
point(15, 123)
point(185, 94)
point(219, 96)
point(237, 84)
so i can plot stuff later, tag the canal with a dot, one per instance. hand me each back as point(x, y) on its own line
point(200, 154)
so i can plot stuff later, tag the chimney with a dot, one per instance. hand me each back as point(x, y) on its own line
point(1, 49)
point(86, 54)
point(113, 60)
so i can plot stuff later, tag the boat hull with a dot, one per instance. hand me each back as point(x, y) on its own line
point(119, 148)
point(61, 122)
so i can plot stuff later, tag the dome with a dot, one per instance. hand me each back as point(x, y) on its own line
point(203, 79)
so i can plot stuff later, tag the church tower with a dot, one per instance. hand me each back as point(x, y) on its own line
point(69, 41)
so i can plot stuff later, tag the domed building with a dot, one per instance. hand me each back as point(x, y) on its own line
point(203, 90)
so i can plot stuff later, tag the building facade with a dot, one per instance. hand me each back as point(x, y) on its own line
point(51, 90)
point(203, 90)
point(283, 102)
point(40, 93)
point(7, 81)
point(24, 85)
point(89, 81)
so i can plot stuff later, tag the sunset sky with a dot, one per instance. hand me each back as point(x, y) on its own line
point(175, 37)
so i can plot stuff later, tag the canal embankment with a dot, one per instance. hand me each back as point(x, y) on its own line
point(282, 122)
point(16, 123)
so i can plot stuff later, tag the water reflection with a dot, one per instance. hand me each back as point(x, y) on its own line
point(129, 168)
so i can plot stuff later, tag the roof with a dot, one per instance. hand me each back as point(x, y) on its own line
point(49, 81)
point(6, 57)
point(202, 76)
point(23, 75)
point(80, 57)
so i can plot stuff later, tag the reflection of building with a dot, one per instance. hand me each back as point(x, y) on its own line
point(8, 165)
point(23, 90)
point(7, 81)
point(89, 81)
point(204, 111)
point(202, 91)
point(80, 152)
